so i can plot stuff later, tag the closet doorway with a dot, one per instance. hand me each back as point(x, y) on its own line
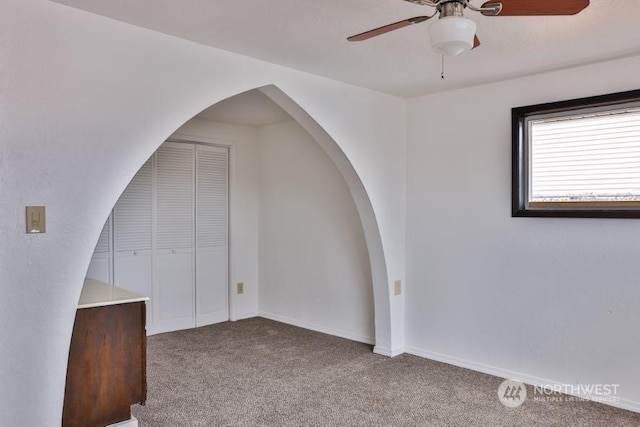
point(167, 237)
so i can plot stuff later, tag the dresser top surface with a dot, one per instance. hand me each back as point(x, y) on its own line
point(99, 294)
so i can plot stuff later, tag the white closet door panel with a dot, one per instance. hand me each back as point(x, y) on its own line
point(100, 268)
point(132, 214)
point(174, 293)
point(175, 194)
point(211, 286)
point(134, 272)
point(211, 235)
point(211, 197)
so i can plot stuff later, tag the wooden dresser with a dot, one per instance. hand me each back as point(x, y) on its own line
point(106, 372)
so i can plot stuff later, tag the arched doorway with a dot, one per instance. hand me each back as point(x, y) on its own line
point(359, 196)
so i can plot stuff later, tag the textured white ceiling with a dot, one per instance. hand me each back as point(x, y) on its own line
point(310, 35)
point(251, 108)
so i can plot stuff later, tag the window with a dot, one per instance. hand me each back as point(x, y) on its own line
point(578, 158)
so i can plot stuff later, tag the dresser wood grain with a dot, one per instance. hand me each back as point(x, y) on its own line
point(106, 373)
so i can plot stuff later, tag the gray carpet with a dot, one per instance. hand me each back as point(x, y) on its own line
point(257, 372)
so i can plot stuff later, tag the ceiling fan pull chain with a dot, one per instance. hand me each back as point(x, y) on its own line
point(442, 69)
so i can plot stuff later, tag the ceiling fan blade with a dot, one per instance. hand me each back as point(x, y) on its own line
point(476, 42)
point(387, 28)
point(537, 7)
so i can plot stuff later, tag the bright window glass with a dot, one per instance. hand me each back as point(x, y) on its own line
point(588, 157)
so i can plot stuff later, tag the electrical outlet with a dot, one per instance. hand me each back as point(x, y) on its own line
point(240, 288)
point(397, 287)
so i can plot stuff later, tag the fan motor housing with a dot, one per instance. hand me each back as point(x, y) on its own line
point(451, 8)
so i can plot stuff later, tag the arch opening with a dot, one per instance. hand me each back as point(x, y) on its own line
point(373, 243)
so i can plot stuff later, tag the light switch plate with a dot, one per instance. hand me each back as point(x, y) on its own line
point(240, 287)
point(397, 287)
point(36, 220)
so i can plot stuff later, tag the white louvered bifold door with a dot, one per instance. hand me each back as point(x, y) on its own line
point(167, 237)
point(132, 237)
point(174, 292)
point(211, 235)
point(100, 266)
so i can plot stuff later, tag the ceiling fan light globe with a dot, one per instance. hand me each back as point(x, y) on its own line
point(452, 35)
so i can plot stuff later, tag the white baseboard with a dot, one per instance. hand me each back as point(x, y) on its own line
point(243, 316)
point(621, 403)
point(318, 328)
point(211, 318)
point(133, 422)
point(389, 352)
point(170, 326)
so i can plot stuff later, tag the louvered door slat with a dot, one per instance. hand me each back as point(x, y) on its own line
point(174, 206)
point(101, 261)
point(133, 213)
point(104, 241)
point(211, 204)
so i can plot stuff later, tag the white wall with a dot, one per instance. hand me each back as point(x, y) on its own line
point(314, 265)
point(536, 298)
point(243, 205)
point(84, 101)
point(389, 310)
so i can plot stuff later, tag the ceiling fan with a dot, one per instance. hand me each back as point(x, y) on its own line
point(452, 33)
